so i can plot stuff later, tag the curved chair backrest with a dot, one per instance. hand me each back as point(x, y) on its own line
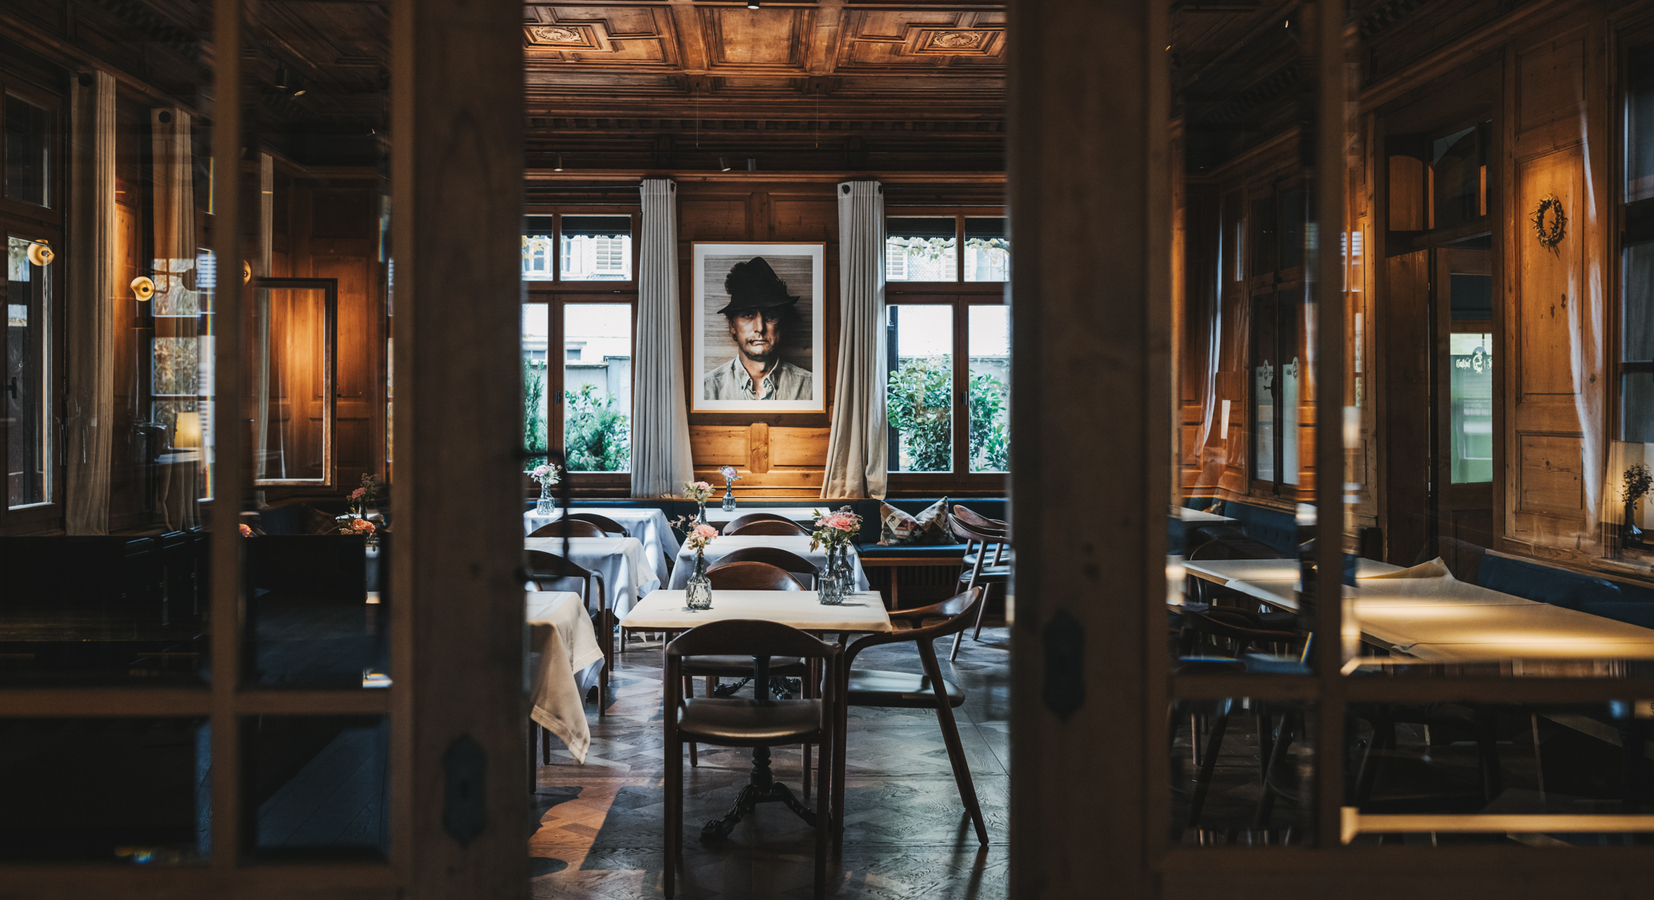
point(748, 637)
point(741, 522)
point(545, 568)
point(765, 526)
point(956, 614)
point(751, 576)
point(977, 520)
point(574, 527)
point(608, 525)
point(775, 556)
point(986, 534)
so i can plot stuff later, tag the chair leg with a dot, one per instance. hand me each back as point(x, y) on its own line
point(823, 824)
point(533, 771)
point(981, 612)
point(950, 738)
point(835, 785)
point(1203, 780)
point(807, 687)
point(674, 814)
point(545, 746)
point(689, 691)
point(607, 620)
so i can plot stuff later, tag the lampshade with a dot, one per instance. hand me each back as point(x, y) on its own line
point(188, 430)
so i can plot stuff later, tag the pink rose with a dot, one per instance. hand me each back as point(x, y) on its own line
point(541, 471)
point(706, 531)
point(841, 521)
point(246, 531)
point(701, 485)
point(361, 526)
point(359, 493)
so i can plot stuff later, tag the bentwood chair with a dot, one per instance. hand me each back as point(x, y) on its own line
point(608, 525)
point(758, 722)
point(903, 690)
point(982, 540)
point(746, 576)
point(763, 523)
point(545, 570)
point(573, 528)
point(800, 568)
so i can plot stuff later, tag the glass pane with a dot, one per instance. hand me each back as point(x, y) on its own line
point(921, 248)
point(28, 152)
point(311, 619)
point(990, 357)
point(1242, 773)
point(987, 250)
point(596, 248)
point(316, 786)
point(292, 385)
point(539, 248)
point(1470, 379)
point(1265, 399)
point(919, 403)
point(1459, 176)
point(1637, 407)
point(536, 334)
point(28, 369)
point(1292, 227)
point(147, 779)
point(1264, 235)
point(1637, 291)
point(1639, 124)
point(597, 387)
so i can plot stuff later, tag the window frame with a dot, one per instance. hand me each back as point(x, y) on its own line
point(555, 299)
point(1272, 282)
point(56, 179)
point(635, 213)
point(958, 214)
point(1632, 225)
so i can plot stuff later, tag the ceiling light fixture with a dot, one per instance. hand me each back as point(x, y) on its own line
point(752, 164)
point(559, 166)
point(752, 4)
point(723, 164)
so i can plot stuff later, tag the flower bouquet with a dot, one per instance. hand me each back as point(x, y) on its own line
point(837, 532)
point(700, 492)
point(698, 591)
point(546, 476)
point(730, 477)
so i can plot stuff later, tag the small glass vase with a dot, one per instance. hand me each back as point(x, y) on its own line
point(700, 512)
point(698, 592)
point(1631, 537)
point(729, 496)
point(547, 501)
point(834, 587)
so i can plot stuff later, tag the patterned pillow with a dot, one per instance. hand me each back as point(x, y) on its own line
point(933, 524)
point(896, 526)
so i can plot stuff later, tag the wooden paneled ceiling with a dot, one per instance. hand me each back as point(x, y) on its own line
point(796, 85)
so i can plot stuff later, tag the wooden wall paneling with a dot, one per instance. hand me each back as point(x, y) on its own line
point(758, 448)
point(1405, 349)
point(798, 446)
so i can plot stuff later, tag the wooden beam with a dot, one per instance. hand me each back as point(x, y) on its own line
point(1091, 421)
point(458, 715)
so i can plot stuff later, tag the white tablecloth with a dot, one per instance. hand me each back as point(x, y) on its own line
point(793, 543)
point(568, 661)
point(804, 515)
point(647, 525)
point(627, 572)
point(665, 611)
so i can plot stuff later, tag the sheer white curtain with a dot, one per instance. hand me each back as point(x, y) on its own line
point(661, 462)
point(856, 458)
point(91, 305)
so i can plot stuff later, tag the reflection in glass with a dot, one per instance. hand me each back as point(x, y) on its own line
point(536, 334)
point(28, 152)
point(597, 386)
point(596, 248)
point(1470, 419)
point(311, 621)
point(1637, 407)
point(989, 338)
point(539, 248)
point(293, 378)
point(1242, 772)
point(919, 403)
point(316, 786)
point(123, 790)
point(987, 250)
point(28, 403)
point(919, 248)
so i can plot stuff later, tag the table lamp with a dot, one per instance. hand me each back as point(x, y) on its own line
point(188, 431)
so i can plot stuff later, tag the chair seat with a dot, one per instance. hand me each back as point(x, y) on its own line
point(749, 723)
point(741, 666)
point(873, 687)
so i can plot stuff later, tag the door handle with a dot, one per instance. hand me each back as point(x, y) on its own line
point(11, 387)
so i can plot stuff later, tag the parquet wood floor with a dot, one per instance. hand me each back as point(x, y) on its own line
point(599, 831)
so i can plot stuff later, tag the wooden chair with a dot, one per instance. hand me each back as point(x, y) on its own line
point(574, 528)
point(544, 570)
point(978, 574)
point(731, 722)
point(801, 568)
point(745, 575)
point(977, 520)
point(608, 525)
point(763, 523)
point(903, 690)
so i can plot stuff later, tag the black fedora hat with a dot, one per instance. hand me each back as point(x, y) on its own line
point(754, 285)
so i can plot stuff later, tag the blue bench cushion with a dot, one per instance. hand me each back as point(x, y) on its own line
point(911, 551)
point(1544, 584)
point(1630, 612)
point(1276, 527)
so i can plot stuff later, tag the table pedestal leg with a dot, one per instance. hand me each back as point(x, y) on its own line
point(762, 786)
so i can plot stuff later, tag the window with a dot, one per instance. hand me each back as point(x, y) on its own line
point(27, 152)
point(987, 252)
point(930, 386)
point(1277, 361)
point(921, 248)
point(577, 248)
point(28, 370)
point(590, 393)
point(1636, 332)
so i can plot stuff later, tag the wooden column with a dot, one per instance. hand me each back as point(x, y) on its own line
point(1090, 399)
point(456, 602)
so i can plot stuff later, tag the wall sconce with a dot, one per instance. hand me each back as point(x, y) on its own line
point(246, 271)
point(40, 253)
point(187, 433)
point(143, 287)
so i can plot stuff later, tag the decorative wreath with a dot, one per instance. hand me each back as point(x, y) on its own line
point(1552, 235)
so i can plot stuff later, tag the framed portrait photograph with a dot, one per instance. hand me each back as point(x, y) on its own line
point(758, 325)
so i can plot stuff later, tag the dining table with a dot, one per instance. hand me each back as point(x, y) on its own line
point(797, 544)
point(566, 661)
point(803, 515)
point(647, 524)
point(628, 571)
point(666, 611)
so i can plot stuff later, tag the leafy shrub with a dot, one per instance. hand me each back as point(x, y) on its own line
point(596, 436)
point(919, 406)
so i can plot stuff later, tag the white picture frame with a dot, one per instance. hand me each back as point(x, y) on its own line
point(801, 266)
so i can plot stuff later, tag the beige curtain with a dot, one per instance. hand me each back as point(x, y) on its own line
point(661, 462)
point(856, 449)
point(90, 304)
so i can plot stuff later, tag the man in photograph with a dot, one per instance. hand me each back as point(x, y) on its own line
point(758, 313)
